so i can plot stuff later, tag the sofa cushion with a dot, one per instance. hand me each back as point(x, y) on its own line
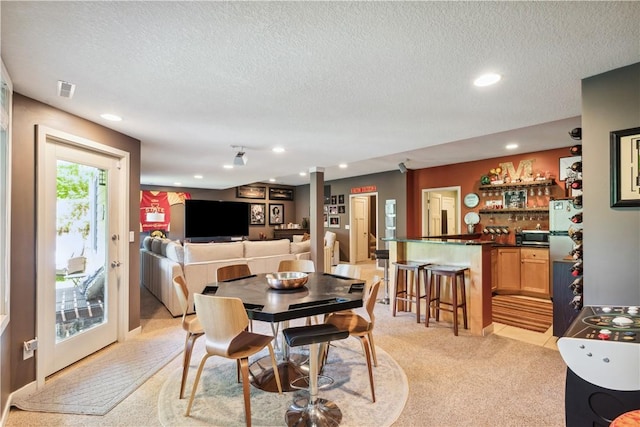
point(202, 252)
point(300, 247)
point(146, 242)
point(266, 248)
point(175, 252)
point(156, 246)
point(163, 246)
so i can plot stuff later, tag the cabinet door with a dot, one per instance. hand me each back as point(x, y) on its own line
point(534, 273)
point(509, 269)
point(494, 269)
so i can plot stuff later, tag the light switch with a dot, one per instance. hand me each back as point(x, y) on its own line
point(132, 236)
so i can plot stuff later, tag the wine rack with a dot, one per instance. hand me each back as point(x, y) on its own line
point(574, 184)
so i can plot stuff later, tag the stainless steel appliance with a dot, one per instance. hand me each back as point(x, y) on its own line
point(536, 238)
point(561, 213)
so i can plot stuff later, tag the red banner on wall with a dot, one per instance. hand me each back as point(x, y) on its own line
point(155, 212)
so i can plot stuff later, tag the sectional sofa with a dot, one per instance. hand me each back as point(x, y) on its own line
point(163, 259)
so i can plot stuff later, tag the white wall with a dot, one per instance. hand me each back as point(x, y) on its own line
point(610, 102)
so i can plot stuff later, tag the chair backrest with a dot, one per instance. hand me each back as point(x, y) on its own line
point(329, 239)
point(347, 270)
point(182, 292)
point(222, 320)
point(233, 271)
point(371, 294)
point(303, 265)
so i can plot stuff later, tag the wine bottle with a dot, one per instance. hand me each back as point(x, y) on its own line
point(576, 150)
point(577, 202)
point(576, 236)
point(576, 167)
point(577, 184)
point(576, 133)
point(577, 218)
point(576, 302)
point(576, 269)
point(576, 285)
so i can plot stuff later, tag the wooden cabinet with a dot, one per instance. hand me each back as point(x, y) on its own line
point(494, 269)
point(508, 269)
point(534, 270)
point(522, 271)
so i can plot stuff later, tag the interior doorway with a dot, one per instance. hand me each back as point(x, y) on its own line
point(363, 231)
point(441, 211)
point(82, 210)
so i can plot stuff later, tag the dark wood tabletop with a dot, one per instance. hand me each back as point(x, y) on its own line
point(323, 293)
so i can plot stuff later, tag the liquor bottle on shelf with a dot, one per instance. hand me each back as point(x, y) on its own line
point(576, 252)
point(577, 218)
point(577, 202)
point(576, 150)
point(576, 167)
point(577, 184)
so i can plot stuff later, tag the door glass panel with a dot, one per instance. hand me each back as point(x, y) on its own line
point(81, 248)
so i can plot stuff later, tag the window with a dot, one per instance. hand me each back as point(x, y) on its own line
point(5, 195)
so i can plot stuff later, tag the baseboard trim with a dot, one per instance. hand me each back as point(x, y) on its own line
point(25, 390)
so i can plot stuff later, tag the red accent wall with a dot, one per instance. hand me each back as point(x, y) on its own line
point(467, 176)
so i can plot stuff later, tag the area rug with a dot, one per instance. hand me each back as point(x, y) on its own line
point(101, 382)
point(534, 314)
point(219, 400)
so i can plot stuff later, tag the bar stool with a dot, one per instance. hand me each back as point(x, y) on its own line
point(411, 289)
point(454, 273)
point(313, 411)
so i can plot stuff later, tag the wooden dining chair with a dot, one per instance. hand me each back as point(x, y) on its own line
point(303, 265)
point(362, 328)
point(233, 271)
point(224, 321)
point(190, 324)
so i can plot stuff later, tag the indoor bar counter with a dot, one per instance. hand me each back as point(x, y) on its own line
point(458, 251)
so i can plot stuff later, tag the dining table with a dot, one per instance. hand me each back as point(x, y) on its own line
point(323, 293)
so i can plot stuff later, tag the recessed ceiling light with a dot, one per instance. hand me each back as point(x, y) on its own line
point(272, 180)
point(198, 176)
point(278, 150)
point(228, 166)
point(303, 174)
point(177, 183)
point(342, 165)
point(111, 117)
point(487, 79)
point(511, 146)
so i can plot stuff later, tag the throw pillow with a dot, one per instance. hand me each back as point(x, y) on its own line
point(305, 237)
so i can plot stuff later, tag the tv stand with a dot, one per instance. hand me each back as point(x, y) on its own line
point(288, 233)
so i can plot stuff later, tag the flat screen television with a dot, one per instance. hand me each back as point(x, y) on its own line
point(213, 220)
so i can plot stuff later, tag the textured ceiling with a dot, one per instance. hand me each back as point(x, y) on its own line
point(367, 83)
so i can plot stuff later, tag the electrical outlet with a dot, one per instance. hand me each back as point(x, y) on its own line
point(28, 347)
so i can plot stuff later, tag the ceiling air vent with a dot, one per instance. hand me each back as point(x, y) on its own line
point(66, 89)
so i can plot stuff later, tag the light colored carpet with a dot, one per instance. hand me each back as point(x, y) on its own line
point(219, 400)
point(96, 387)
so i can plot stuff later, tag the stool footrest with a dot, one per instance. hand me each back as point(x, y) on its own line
point(313, 334)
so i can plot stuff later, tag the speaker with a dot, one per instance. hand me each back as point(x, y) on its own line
point(402, 167)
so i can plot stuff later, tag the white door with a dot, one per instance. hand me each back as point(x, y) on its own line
point(435, 215)
point(79, 248)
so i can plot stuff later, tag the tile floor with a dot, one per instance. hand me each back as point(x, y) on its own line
point(546, 339)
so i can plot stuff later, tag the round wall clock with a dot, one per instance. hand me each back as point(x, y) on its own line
point(471, 200)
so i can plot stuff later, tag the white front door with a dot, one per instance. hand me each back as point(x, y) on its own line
point(361, 223)
point(79, 251)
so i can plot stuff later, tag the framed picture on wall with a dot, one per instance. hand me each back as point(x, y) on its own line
point(251, 192)
point(333, 210)
point(326, 220)
point(341, 199)
point(258, 214)
point(342, 209)
point(334, 222)
point(334, 200)
point(280, 193)
point(276, 213)
point(625, 168)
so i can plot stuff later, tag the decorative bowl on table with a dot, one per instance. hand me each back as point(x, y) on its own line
point(287, 280)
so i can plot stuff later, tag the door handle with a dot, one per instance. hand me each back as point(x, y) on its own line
point(115, 264)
